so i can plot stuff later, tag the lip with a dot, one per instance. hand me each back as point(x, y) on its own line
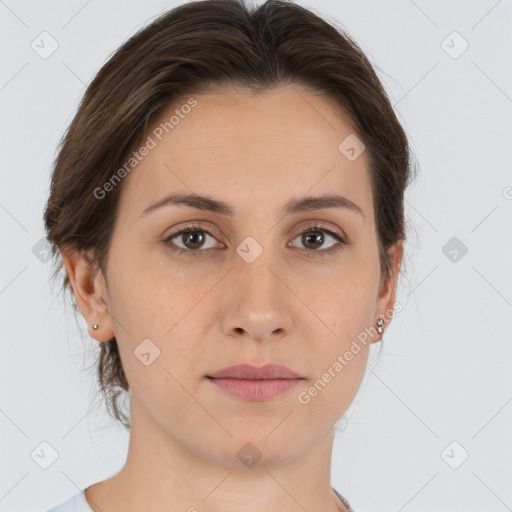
point(250, 382)
point(250, 371)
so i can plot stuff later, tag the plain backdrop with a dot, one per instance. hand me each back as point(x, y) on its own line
point(430, 428)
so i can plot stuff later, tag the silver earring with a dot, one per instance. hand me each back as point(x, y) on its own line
point(379, 324)
point(95, 326)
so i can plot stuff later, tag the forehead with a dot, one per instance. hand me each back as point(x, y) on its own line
point(247, 148)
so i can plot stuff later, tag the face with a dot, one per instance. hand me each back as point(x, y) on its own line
point(254, 281)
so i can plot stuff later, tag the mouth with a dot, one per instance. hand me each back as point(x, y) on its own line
point(252, 383)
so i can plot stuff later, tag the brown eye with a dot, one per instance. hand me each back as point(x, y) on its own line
point(193, 240)
point(314, 240)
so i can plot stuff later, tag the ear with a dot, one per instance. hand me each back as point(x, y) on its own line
point(387, 293)
point(90, 291)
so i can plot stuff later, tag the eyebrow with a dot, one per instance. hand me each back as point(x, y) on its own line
point(205, 203)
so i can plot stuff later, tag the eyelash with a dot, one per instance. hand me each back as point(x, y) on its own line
point(193, 228)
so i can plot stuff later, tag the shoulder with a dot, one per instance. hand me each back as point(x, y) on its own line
point(76, 503)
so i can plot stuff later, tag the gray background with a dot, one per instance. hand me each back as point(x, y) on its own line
point(444, 374)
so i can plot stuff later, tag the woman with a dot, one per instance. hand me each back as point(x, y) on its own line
point(228, 206)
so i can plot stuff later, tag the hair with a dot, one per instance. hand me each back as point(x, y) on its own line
point(189, 50)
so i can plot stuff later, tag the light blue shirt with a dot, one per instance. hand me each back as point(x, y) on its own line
point(76, 503)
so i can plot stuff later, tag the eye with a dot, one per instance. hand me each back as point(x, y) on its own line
point(193, 238)
point(314, 238)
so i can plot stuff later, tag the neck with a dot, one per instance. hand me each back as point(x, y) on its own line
point(160, 472)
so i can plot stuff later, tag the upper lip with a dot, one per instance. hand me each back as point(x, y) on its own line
point(249, 371)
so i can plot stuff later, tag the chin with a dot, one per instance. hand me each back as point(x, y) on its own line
point(254, 446)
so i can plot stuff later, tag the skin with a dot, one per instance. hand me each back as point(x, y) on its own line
point(212, 310)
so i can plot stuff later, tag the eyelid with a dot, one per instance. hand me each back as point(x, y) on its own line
point(194, 226)
point(316, 224)
point(323, 226)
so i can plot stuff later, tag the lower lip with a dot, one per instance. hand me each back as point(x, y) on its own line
point(248, 389)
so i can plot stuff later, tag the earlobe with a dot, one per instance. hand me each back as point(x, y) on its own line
point(88, 285)
point(387, 293)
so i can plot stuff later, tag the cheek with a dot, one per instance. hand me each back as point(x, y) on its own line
point(146, 299)
point(345, 300)
point(336, 383)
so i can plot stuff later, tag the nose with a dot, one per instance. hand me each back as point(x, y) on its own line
point(258, 303)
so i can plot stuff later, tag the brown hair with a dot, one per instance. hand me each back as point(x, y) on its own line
point(185, 51)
